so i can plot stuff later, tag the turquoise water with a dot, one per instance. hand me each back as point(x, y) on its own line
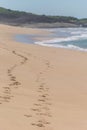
point(79, 43)
point(71, 38)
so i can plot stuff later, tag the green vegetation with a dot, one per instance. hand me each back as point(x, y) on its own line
point(7, 11)
point(21, 17)
point(64, 18)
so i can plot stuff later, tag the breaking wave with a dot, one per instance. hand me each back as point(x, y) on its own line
point(74, 39)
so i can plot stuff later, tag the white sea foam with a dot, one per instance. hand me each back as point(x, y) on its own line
point(73, 34)
point(53, 42)
point(77, 32)
point(64, 39)
point(68, 46)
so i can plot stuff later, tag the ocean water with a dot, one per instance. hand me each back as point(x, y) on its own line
point(70, 38)
point(24, 38)
point(28, 38)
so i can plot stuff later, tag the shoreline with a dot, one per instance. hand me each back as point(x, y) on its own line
point(52, 39)
point(41, 87)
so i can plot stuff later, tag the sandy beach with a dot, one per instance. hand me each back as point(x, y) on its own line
point(41, 88)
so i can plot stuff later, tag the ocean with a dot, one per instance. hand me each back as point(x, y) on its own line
point(70, 38)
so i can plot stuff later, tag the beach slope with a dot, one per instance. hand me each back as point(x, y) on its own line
point(41, 87)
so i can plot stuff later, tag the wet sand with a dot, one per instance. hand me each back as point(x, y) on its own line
point(40, 87)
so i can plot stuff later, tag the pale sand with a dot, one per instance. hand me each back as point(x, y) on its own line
point(41, 87)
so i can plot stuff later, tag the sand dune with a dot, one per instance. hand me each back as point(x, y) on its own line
point(41, 87)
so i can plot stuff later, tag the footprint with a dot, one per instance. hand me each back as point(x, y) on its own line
point(44, 96)
point(44, 122)
point(28, 116)
point(34, 109)
point(39, 124)
point(41, 100)
point(45, 114)
point(15, 83)
point(37, 104)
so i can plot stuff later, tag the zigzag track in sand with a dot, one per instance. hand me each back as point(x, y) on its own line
point(41, 109)
point(14, 83)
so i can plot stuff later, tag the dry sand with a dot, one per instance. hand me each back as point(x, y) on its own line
point(41, 88)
